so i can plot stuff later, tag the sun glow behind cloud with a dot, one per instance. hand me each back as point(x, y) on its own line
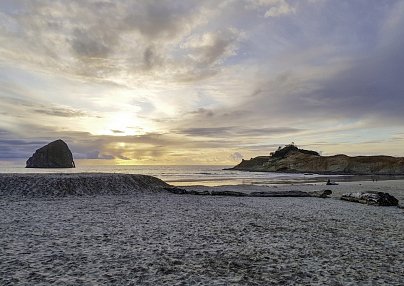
point(195, 82)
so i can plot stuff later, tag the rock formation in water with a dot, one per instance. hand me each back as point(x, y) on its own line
point(291, 159)
point(54, 155)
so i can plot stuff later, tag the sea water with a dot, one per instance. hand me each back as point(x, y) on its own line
point(181, 175)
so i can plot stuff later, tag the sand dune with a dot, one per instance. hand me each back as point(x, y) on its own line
point(60, 185)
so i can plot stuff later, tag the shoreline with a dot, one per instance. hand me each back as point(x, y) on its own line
point(206, 175)
point(286, 181)
point(81, 184)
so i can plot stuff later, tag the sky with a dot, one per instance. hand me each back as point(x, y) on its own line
point(201, 82)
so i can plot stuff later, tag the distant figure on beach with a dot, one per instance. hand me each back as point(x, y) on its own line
point(329, 183)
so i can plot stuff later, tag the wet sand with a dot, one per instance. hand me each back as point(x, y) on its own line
point(393, 187)
point(158, 238)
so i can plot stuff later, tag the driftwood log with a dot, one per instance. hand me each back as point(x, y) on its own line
point(371, 198)
point(321, 194)
point(293, 193)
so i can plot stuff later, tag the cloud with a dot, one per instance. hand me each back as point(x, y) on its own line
point(236, 156)
point(367, 87)
point(105, 40)
point(203, 111)
point(60, 112)
point(17, 148)
point(95, 155)
point(204, 131)
point(124, 158)
point(326, 78)
point(274, 8)
point(208, 48)
point(93, 43)
point(282, 9)
point(151, 58)
point(236, 131)
point(14, 96)
point(156, 19)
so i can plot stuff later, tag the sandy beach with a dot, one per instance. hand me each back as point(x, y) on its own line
point(158, 238)
point(393, 187)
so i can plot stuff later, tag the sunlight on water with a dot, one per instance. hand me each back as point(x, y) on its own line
point(183, 175)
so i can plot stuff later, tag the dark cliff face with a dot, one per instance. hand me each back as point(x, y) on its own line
point(294, 160)
point(283, 152)
point(250, 165)
point(54, 155)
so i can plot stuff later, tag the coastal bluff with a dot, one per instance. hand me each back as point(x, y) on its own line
point(80, 184)
point(291, 159)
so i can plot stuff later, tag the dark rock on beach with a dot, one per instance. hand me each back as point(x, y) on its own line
point(175, 190)
point(280, 194)
point(54, 155)
point(228, 193)
point(317, 194)
point(198, 193)
point(371, 198)
point(179, 191)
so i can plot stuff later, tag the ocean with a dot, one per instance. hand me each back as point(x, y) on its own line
point(183, 175)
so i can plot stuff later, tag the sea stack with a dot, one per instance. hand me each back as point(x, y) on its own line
point(54, 155)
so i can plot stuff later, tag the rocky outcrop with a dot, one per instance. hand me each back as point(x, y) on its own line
point(371, 198)
point(82, 184)
point(54, 155)
point(293, 160)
